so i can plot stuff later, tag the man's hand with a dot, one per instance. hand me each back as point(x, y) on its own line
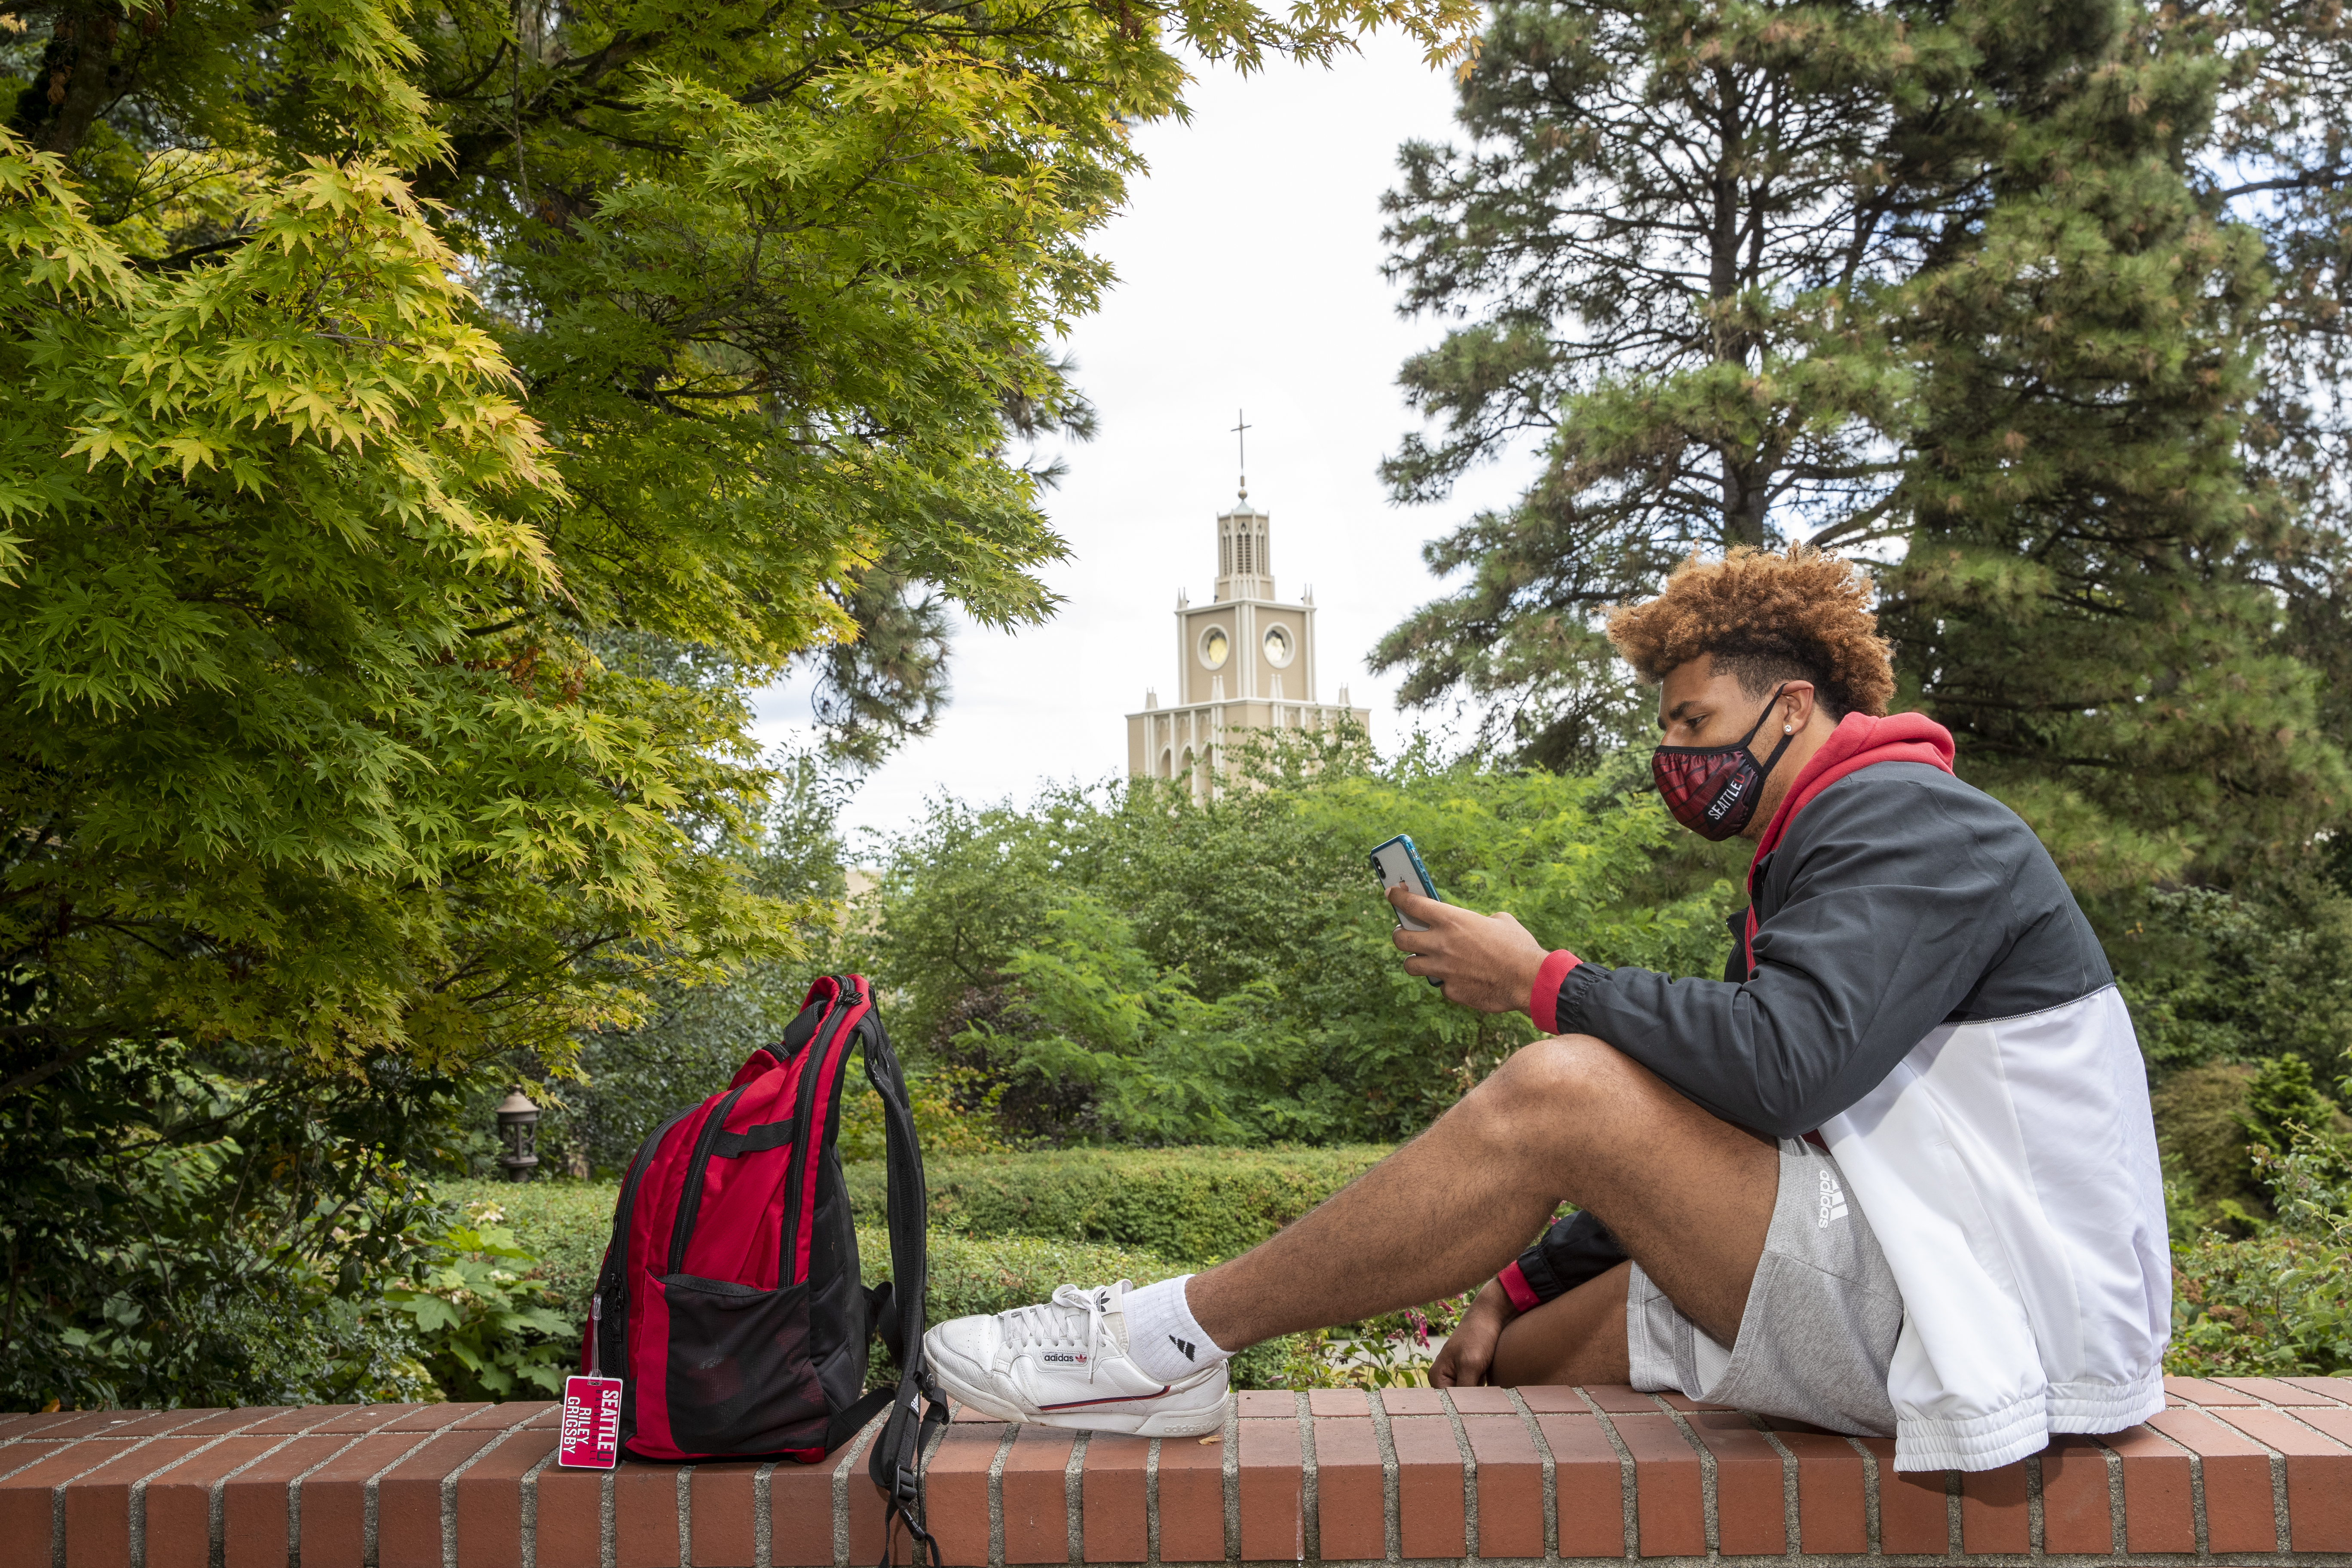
point(1461, 1361)
point(1488, 962)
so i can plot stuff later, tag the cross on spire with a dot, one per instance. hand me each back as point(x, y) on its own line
point(1241, 439)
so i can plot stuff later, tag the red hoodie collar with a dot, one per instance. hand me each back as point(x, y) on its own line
point(1857, 743)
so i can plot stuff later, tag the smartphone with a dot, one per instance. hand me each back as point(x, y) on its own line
point(1398, 864)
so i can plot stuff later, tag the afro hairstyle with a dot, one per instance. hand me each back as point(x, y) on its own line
point(1766, 616)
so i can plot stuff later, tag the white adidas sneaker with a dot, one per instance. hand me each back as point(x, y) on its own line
point(1064, 1363)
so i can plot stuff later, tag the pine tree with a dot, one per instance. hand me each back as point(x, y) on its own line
point(1670, 227)
point(2084, 597)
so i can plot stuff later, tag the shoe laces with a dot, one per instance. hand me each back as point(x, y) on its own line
point(1056, 1322)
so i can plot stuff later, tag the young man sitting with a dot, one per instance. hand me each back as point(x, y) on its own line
point(1894, 1174)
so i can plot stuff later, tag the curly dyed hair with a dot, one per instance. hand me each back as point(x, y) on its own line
point(1766, 617)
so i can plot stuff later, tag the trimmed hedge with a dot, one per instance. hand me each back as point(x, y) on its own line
point(1191, 1206)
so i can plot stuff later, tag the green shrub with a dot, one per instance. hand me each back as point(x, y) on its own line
point(1191, 1206)
point(2278, 1304)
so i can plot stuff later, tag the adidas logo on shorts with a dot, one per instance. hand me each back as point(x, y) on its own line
point(1833, 1201)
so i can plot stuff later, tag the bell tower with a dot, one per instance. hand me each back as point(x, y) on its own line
point(1245, 661)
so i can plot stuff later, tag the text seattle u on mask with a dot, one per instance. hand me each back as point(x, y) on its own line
point(1712, 790)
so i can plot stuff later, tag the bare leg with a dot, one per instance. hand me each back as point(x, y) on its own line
point(1572, 1118)
point(1576, 1338)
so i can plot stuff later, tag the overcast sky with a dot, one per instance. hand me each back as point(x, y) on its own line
point(1248, 266)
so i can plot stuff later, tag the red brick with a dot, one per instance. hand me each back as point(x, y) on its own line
point(221, 1423)
point(2319, 1478)
point(2336, 1388)
point(1337, 1402)
point(571, 1513)
point(1192, 1501)
point(98, 1505)
point(1588, 1485)
point(335, 1499)
point(869, 1520)
point(2335, 1422)
point(1350, 1502)
point(1832, 1503)
point(1686, 1404)
point(718, 1502)
point(123, 1423)
point(1272, 1492)
point(355, 1419)
point(508, 1416)
point(256, 1504)
point(955, 1491)
point(1554, 1399)
point(2205, 1390)
point(644, 1516)
point(1510, 1486)
point(1111, 1498)
point(25, 1454)
point(2238, 1510)
point(1266, 1403)
point(27, 1520)
point(1751, 1514)
point(966, 1415)
point(1618, 1399)
point(2076, 1513)
point(489, 1501)
point(1482, 1401)
point(2159, 1509)
point(1430, 1516)
point(408, 1499)
point(800, 1514)
point(1993, 1516)
point(1036, 1497)
point(180, 1502)
point(436, 1417)
point(38, 1424)
point(2273, 1391)
point(1667, 1500)
point(298, 1419)
point(1412, 1401)
point(1913, 1512)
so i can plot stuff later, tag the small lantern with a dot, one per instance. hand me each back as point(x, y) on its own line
point(519, 1127)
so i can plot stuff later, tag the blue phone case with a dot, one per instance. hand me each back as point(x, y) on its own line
point(1413, 857)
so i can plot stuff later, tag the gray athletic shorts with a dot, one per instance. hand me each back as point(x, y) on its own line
point(1818, 1331)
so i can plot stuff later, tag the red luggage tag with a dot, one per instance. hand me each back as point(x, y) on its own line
point(591, 1435)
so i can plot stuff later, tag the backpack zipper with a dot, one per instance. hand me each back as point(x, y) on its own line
point(690, 1207)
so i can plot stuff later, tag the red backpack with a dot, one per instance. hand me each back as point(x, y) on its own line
point(730, 1298)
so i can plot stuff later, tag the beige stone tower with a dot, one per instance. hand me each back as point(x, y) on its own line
point(1245, 660)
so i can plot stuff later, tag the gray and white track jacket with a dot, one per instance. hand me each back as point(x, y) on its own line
point(1917, 985)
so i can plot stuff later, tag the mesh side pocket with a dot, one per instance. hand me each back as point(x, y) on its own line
point(740, 1377)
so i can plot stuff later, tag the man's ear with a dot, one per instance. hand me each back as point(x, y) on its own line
point(1797, 705)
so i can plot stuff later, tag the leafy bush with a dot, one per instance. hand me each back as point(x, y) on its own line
point(1128, 965)
point(2278, 1304)
point(487, 1331)
point(1194, 1206)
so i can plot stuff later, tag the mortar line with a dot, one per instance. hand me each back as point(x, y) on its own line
point(1310, 1479)
point(527, 1490)
point(449, 1497)
point(1551, 1475)
point(1708, 1522)
point(1626, 1482)
point(1469, 1474)
point(1392, 1511)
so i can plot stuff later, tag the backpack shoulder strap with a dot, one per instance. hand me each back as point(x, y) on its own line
point(917, 1407)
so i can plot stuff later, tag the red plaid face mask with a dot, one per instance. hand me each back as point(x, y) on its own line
point(1712, 790)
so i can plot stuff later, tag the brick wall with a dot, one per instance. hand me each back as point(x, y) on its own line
point(2238, 1470)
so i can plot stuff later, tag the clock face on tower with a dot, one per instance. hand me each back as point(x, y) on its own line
point(1214, 648)
point(1277, 647)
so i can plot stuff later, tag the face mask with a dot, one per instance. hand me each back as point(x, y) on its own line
point(1712, 790)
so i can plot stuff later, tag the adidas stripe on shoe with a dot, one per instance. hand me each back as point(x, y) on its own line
point(1065, 1362)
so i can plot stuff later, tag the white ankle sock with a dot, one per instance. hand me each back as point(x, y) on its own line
point(1161, 1336)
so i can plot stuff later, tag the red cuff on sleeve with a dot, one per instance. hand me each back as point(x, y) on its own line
point(1515, 1285)
point(1544, 1001)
